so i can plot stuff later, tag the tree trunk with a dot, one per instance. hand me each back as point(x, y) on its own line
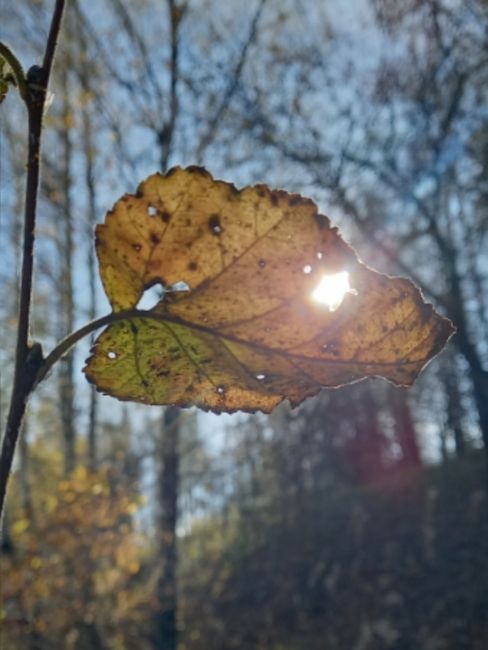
point(479, 376)
point(24, 484)
point(165, 632)
point(6, 543)
point(91, 218)
point(405, 429)
point(66, 379)
point(454, 410)
point(165, 625)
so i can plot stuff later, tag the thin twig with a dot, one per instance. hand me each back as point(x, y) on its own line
point(52, 41)
point(28, 357)
point(232, 86)
point(166, 134)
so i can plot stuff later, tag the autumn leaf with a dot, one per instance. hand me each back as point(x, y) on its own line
point(251, 330)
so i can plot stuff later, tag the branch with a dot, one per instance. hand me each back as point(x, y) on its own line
point(28, 357)
point(140, 96)
point(233, 85)
point(324, 160)
point(166, 134)
point(52, 41)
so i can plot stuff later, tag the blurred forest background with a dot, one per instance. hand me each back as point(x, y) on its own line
point(359, 521)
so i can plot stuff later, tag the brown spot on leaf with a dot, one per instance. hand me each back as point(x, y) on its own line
point(196, 169)
point(321, 221)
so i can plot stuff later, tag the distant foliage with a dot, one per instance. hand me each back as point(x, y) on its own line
point(71, 573)
point(401, 565)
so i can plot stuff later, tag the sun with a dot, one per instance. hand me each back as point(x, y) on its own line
point(332, 289)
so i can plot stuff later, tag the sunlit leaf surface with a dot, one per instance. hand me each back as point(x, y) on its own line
point(253, 328)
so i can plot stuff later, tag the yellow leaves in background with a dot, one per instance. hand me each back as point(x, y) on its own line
point(83, 540)
point(20, 526)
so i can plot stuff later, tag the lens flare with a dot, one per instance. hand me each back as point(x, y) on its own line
point(332, 289)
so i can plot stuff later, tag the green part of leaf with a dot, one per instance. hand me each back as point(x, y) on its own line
point(3, 90)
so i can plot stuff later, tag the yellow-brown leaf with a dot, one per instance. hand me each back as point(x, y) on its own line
point(247, 334)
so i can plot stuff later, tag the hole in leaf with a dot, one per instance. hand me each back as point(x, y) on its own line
point(320, 255)
point(220, 390)
point(307, 269)
point(260, 376)
point(151, 296)
point(111, 354)
point(152, 211)
point(179, 286)
point(332, 290)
